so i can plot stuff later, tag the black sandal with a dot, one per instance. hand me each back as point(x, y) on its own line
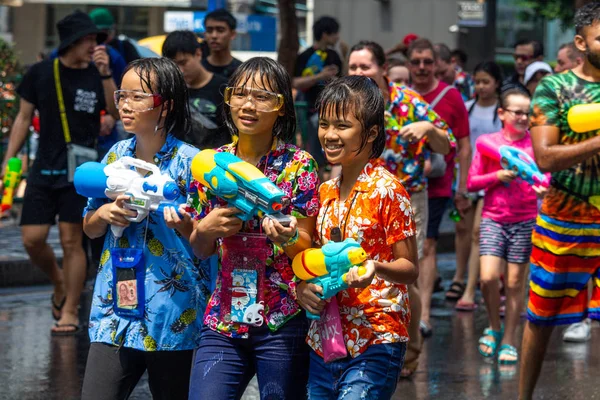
point(455, 291)
point(57, 308)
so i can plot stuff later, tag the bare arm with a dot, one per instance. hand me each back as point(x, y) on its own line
point(20, 128)
point(96, 222)
point(306, 227)
point(464, 161)
point(438, 140)
point(405, 268)
point(552, 156)
point(109, 89)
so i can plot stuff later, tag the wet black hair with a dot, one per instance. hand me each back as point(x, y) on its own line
point(180, 42)
point(461, 55)
point(162, 76)
point(273, 77)
point(538, 47)
point(375, 49)
point(586, 16)
point(513, 91)
point(494, 70)
point(222, 15)
point(361, 96)
point(326, 25)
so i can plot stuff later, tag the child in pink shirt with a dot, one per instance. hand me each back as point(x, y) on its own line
point(509, 211)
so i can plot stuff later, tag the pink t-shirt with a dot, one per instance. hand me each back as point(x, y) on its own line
point(452, 110)
point(505, 204)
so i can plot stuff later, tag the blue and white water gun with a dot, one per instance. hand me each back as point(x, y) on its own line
point(147, 192)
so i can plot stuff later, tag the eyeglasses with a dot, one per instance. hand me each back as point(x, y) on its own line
point(523, 57)
point(518, 113)
point(427, 61)
point(262, 100)
point(137, 101)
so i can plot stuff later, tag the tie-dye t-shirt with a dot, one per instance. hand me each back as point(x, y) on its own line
point(553, 98)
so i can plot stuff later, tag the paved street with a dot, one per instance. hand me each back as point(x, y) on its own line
point(34, 365)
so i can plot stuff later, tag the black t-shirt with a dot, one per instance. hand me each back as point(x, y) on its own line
point(223, 70)
point(84, 99)
point(513, 82)
point(310, 62)
point(206, 108)
point(127, 50)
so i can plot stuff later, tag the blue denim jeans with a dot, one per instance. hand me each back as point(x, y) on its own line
point(371, 376)
point(223, 367)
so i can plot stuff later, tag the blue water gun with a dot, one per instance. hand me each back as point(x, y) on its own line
point(328, 266)
point(515, 160)
point(241, 185)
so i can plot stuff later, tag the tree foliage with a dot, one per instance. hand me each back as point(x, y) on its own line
point(9, 76)
point(563, 10)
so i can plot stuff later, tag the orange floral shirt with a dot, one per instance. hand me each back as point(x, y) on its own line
point(377, 213)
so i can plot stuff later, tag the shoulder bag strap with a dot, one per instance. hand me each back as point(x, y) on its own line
point(61, 103)
point(440, 96)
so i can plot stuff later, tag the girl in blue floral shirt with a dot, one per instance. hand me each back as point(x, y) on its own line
point(255, 270)
point(144, 315)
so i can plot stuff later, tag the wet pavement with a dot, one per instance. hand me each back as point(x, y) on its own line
point(34, 365)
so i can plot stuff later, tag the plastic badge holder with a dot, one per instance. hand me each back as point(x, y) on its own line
point(128, 282)
point(243, 266)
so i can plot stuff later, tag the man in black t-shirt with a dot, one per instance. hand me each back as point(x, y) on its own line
point(87, 89)
point(220, 28)
point(205, 90)
point(314, 68)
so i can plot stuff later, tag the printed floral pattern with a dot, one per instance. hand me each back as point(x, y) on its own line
point(295, 172)
point(465, 84)
point(403, 159)
point(176, 282)
point(380, 215)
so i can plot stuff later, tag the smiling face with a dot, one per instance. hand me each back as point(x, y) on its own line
point(515, 113)
point(246, 118)
point(138, 122)
point(422, 67)
point(362, 63)
point(341, 137)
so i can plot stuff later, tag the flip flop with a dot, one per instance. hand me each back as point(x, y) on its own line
point(75, 331)
point(465, 306)
point(57, 308)
point(437, 286)
point(455, 291)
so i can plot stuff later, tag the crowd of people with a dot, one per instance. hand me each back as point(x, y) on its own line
point(395, 140)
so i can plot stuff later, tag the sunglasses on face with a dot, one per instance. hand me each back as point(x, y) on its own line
point(426, 61)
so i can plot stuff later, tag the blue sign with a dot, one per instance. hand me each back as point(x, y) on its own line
point(216, 4)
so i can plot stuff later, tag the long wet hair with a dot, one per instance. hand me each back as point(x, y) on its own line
point(493, 70)
point(362, 97)
point(162, 76)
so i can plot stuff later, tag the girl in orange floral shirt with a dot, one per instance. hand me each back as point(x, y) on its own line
point(370, 205)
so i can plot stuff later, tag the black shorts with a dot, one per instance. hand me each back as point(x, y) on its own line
point(437, 207)
point(41, 205)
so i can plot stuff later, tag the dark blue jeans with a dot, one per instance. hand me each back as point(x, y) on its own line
point(371, 376)
point(223, 366)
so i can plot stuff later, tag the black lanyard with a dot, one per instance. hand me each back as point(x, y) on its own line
point(343, 230)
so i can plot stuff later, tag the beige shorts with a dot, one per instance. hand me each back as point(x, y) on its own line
point(419, 204)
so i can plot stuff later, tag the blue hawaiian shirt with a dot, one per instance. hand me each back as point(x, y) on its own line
point(176, 282)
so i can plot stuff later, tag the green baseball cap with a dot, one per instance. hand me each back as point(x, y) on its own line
point(102, 18)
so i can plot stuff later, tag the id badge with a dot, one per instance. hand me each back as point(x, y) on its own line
point(128, 282)
point(243, 263)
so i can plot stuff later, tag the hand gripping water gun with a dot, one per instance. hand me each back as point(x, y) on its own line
point(147, 193)
point(11, 181)
point(584, 117)
point(515, 160)
point(328, 266)
point(240, 184)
